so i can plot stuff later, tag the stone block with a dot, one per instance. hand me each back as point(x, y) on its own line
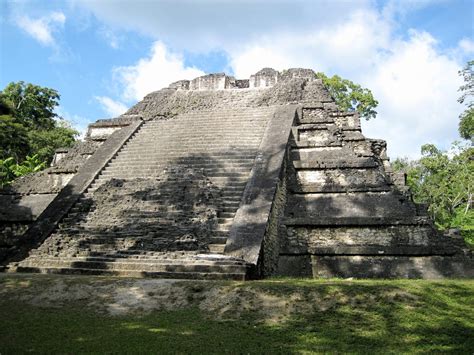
point(366, 240)
point(180, 85)
point(295, 266)
point(373, 204)
point(338, 180)
point(343, 162)
point(349, 121)
point(23, 207)
point(209, 82)
point(264, 78)
point(101, 133)
point(421, 267)
point(320, 153)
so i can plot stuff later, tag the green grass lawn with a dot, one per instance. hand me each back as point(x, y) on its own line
point(271, 316)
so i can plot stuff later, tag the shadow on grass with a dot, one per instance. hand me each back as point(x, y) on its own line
point(385, 318)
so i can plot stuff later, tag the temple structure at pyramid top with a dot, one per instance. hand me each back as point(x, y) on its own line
point(222, 178)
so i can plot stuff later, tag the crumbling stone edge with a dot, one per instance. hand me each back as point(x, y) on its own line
point(250, 222)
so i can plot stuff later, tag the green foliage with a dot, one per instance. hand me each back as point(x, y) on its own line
point(350, 96)
point(445, 181)
point(45, 142)
point(30, 165)
point(466, 122)
point(33, 105)
point(30, 131)
point(14, 140)
point(9, 170)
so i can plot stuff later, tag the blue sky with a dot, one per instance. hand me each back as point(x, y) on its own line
point(103, 56)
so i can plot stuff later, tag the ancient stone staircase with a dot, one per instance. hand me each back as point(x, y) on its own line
point(163, 206)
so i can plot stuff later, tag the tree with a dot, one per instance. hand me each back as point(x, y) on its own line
point(466, 119)
point(9, 170)
point(14, 140)
point(45, 142)
point(444, 181)
point(33, 105)
point(350, 96)
point(29, 128)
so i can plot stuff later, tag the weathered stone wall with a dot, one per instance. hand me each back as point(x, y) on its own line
point(348, 215)
point(219, 91)
point(10, 237)
point(271, 242)
point(364, 240)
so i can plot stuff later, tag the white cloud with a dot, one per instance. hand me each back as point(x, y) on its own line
point(77, 122)
point(467, 45)
point(42, 28)
point(111, 37)
point(153, 73)
point(416, 86)
point(209, 24)
point(111, 107)
point(344, 48)
point(414, 79)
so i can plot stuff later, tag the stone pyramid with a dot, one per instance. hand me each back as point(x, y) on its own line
point(218, 178)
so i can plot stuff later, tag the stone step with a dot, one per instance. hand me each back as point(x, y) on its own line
point(123, 263)
point(231, 194)
point(76, 212)
point(217, 156)
point(205, 137)
point(189, 142)
point(135, 273)
point(176, 150)
point(209, 166)
point(191, 146)
point(137, 256)
point(123, 172)
point(225, 220)
point(222, 229)
point(231, 208)
point(159, 166)
point(177, 153)
point(177, 256)
point(162, 164)
point(227, 184)
point(232, 190)
point(219, 117)
point(220, 181)
point(209, 126)
point(225, 124)
point(168, 163)
point(335, 163)
point(166, 142)
point(216, 248)
point(156, 226)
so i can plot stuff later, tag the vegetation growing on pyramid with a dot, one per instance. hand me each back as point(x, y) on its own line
point(350, 96)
